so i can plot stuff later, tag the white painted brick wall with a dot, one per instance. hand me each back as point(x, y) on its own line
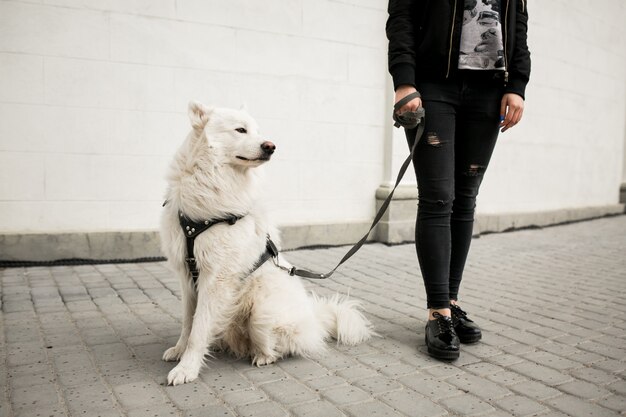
point(93, 99)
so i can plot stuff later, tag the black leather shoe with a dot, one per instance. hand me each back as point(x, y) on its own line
point(441, 339)
point(465, 328)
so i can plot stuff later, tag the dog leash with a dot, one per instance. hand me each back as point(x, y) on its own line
point(409, 120)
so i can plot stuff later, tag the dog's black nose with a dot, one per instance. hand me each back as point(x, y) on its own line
point(268, 147)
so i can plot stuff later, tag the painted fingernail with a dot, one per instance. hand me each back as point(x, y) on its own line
point(501, 118)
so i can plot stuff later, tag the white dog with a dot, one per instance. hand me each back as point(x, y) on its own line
point(264, 314)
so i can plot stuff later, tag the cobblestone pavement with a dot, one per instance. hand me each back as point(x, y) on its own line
point(88, 340)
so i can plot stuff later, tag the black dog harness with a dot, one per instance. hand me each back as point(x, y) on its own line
point(192, 229)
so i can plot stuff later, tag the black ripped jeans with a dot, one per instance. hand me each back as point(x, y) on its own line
point(462, 118)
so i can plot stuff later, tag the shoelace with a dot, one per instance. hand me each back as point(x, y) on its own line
point(444, 323)
point(458, 313)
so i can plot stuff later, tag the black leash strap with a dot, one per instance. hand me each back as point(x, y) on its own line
point(409, 120)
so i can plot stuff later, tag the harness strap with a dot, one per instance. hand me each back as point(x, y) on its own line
point(270, 252)
point(410, 120)
point(191, 230)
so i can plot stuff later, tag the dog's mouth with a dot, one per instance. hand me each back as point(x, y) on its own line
point(261, 158)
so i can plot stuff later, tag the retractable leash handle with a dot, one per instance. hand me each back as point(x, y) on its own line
point(408, 120)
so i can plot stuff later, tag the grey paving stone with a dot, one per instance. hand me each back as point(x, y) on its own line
point(191, 396)
point(44, 376)
point(506, 378)
point(138, 394)
point(345, 394)
point(334, 360)
point(577, 407)
point(585, 358)
point(505, 359)
point(551, 360)
point(264, 409)
point(466, 405)
point(72, 378)
point(110, 352)
point(225, 381)
point(518, 405)
point(584, 389)
point(325, 382)
point(49, 410)
point(377, 384)
point(378, 360)
point(73, 361)
point(410, 403)
point(595, 376)
point(478, 386)
point(429, 386)
point(544, 374)
point(43, 396)
point(482, 368)
point(89, 399)
point(374, 408)
point(535, 389)
point(397, 370)
point(316, 409)
point(302, 369)
point(618, 387)
point(611, 366)
point(64, 339)
point(127, 377)
point(249, 396)
point(614, 402)
point(288, 391)
point(157, 410)
point(264, 374)
point(356, 372)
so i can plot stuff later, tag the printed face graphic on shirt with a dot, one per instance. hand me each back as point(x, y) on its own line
point(481, 36)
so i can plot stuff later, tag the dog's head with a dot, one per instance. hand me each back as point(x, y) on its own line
point(231, 133)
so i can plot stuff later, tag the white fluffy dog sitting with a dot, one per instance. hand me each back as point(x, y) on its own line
point(265, 314)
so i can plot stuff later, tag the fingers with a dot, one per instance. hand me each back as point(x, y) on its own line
point(511, 111)
point(404, 91)
point(412, 105)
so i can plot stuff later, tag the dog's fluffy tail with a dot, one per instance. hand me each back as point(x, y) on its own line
point(342, 319)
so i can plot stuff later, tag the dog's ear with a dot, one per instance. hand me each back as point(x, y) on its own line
point(198, 114)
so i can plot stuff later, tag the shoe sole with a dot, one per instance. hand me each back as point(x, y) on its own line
point(446, 355)
point(471, 339)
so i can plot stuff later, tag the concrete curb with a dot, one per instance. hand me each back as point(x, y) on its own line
point(397, 226)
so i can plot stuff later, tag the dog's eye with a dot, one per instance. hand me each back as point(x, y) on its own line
point(241, 130)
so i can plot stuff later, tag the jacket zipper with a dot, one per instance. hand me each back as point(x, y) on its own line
point(451, 38)
point(506, 62)
point(523, 6)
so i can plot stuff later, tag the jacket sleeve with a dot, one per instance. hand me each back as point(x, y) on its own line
point(400, 32)
point(519, 71)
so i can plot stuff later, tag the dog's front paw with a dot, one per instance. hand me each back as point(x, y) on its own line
point(181, 375)
point(262, 360)
point(172, 354)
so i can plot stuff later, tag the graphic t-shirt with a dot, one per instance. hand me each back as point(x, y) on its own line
point(481, 36)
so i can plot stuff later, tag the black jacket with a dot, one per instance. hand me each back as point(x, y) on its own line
point(425, 36)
